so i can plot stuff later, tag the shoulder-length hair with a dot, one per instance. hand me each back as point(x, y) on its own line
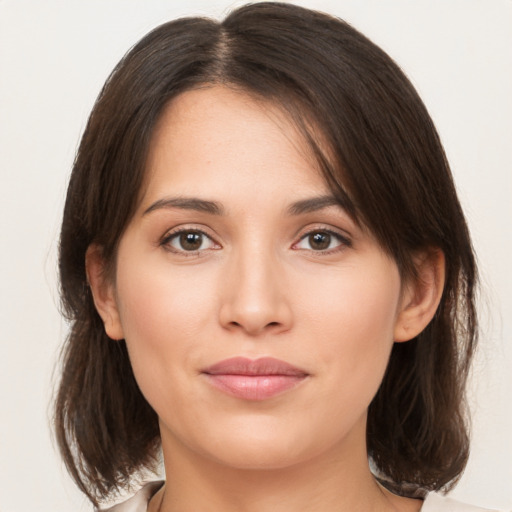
point(380, 154)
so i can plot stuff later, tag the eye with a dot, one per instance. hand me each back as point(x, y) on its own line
point(322, 240)
point(188, 240)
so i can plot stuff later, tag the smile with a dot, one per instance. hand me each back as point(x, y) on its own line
point(255, 380)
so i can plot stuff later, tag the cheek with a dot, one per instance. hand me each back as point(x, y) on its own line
point(163, 314)
point(353, 302)
point(352, 321)
point(157, 300)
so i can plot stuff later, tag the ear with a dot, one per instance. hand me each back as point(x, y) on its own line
point(421, 295)
point(103, 292)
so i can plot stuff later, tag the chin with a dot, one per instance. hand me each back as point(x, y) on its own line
point(264, 446)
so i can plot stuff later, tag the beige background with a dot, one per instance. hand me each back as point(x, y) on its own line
point(54, 57)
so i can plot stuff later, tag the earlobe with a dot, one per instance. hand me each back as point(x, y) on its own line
point(421, 295)
point(103, 292)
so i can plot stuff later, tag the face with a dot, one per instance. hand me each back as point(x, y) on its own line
point(259, 317)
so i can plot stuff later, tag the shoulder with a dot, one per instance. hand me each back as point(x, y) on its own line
point(138, 502)
point(437, 503)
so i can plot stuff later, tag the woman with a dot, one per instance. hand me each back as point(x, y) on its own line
point(268, 275)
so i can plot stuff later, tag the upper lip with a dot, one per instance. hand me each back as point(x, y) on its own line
point(261, 366)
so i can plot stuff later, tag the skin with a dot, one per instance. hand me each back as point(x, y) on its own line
point(257, 286)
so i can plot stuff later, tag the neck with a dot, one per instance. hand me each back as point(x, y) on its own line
point(331, 482)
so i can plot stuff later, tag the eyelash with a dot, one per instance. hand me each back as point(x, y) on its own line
point(169, 237)
point(344, 242)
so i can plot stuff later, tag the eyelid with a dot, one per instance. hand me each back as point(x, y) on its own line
point(344, 238)
point(176, 231)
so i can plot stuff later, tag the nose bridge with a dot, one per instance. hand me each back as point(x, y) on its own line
point(254, 299)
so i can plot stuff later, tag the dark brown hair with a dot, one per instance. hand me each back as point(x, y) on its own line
point(383, 159)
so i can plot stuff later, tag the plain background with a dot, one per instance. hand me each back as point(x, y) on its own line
point(54, 57)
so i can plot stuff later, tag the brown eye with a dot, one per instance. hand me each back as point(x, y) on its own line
point(319, 241)
point(323, 240)
point(189, 240)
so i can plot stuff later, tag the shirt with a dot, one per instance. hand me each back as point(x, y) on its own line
point(433, 502)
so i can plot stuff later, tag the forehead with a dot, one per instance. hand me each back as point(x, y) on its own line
point(218, 140)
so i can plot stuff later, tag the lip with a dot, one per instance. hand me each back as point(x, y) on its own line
point(254, 379)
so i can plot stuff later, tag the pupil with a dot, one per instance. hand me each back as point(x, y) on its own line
point(320, 241)
point(190, 241)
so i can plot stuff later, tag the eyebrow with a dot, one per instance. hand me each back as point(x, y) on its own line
point(313, 204)
point(301, 207)
point(187, 203)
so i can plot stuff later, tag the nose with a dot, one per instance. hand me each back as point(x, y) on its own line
point(254, 297)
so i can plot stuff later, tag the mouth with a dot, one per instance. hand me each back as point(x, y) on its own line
point(254, 379)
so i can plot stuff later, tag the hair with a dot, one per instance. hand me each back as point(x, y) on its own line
point(379, 153)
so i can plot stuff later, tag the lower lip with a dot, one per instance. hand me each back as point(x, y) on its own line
point(254, 387)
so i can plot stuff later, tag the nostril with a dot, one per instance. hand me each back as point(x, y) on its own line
point(241, 325)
